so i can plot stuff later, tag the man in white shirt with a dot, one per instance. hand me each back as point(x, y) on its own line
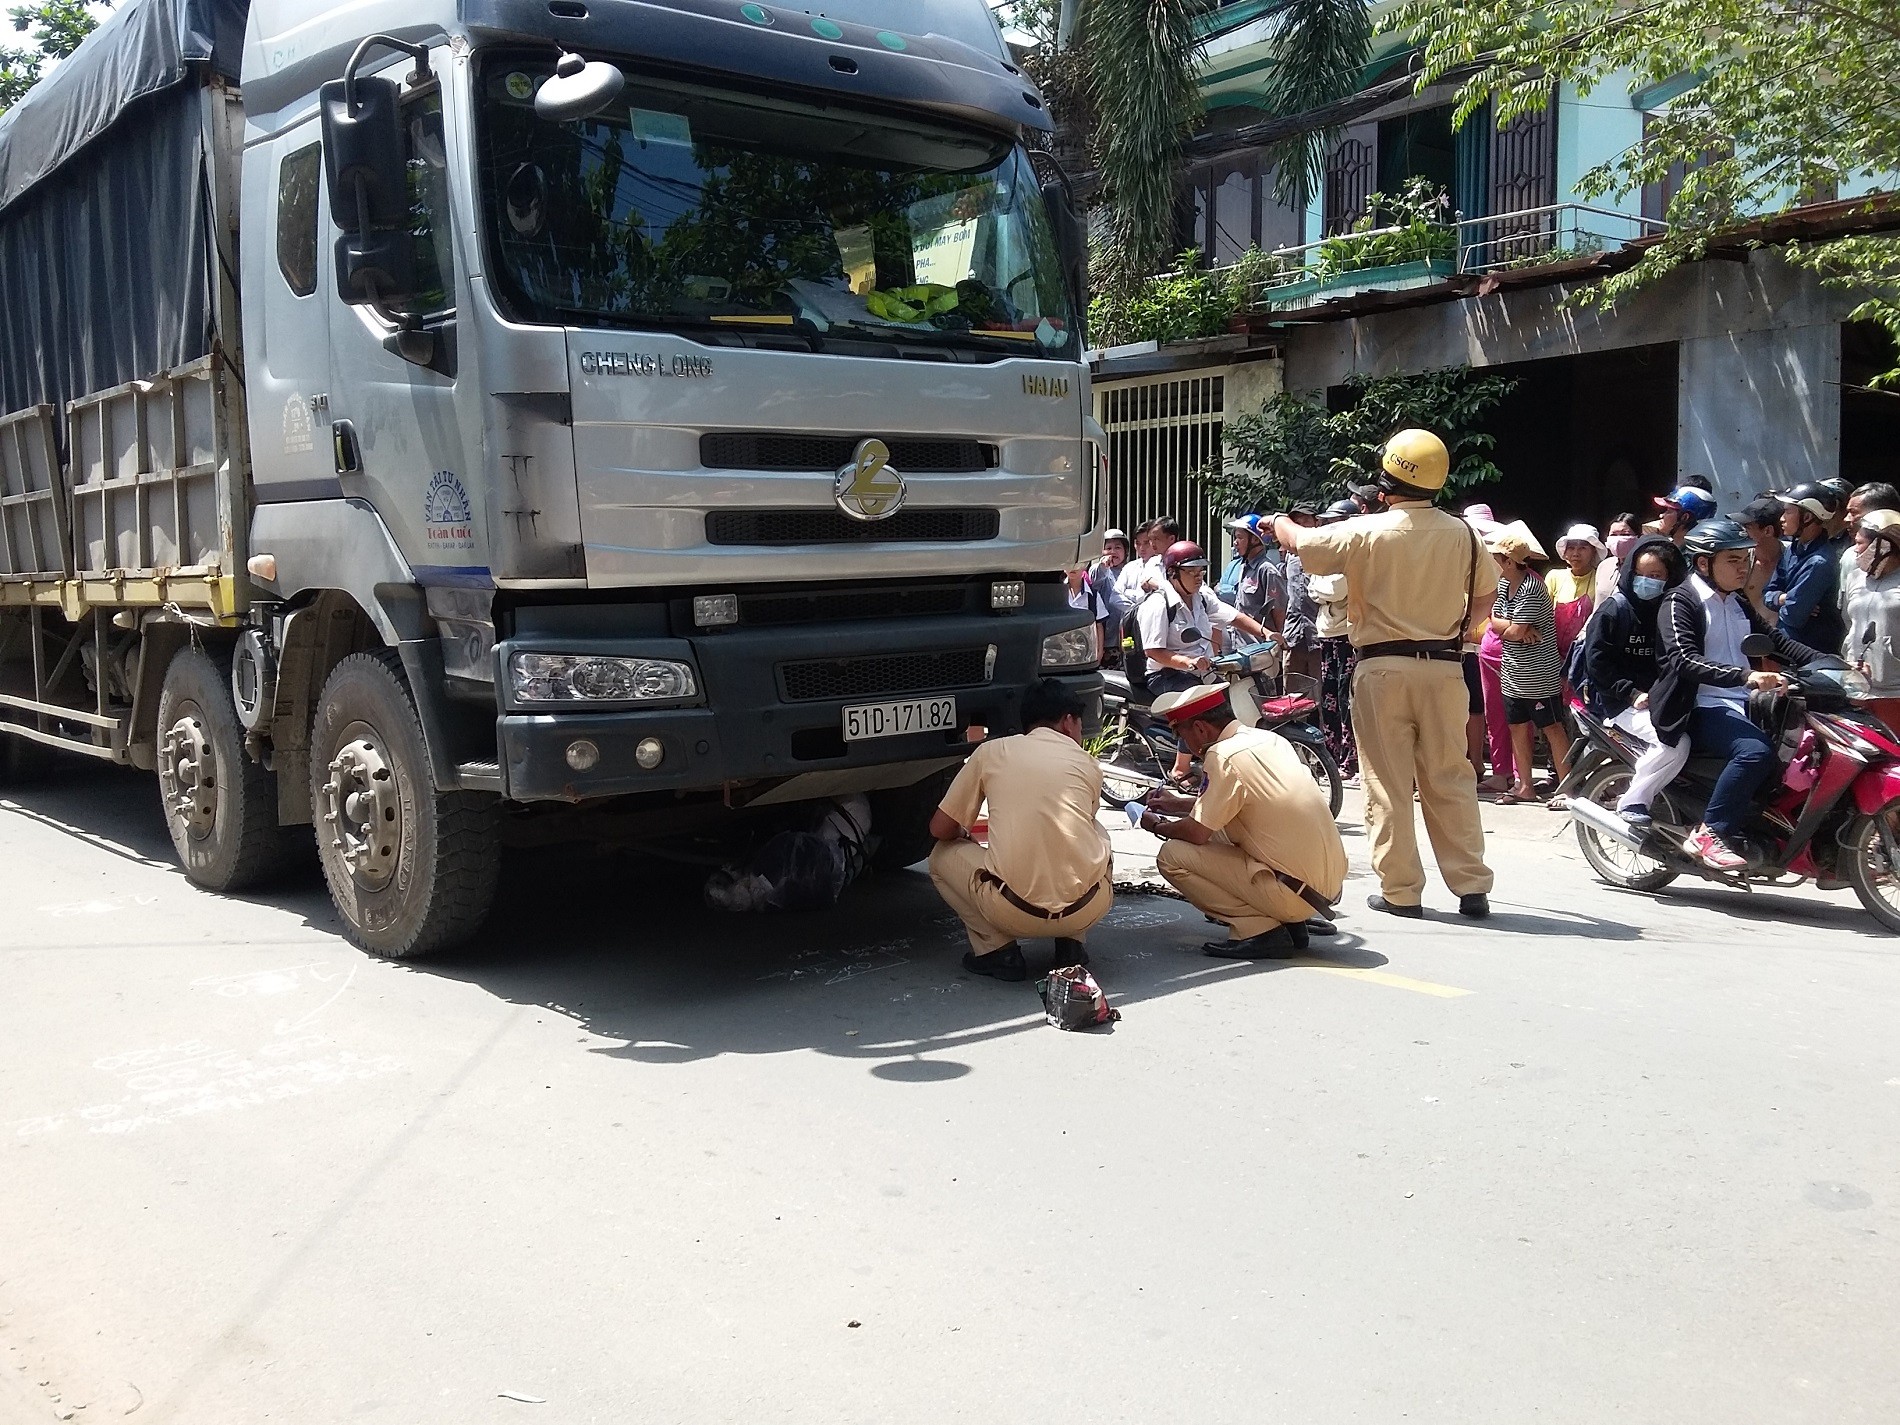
point(1177, 623)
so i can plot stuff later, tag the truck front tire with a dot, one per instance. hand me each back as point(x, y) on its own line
point(220, 806)
point(410, 869)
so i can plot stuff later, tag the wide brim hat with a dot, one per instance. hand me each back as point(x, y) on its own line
point(1515, 541)
point(1583, 534)
point(1190, 703)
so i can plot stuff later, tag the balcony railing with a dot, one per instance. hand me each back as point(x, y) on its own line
point(1420, 255)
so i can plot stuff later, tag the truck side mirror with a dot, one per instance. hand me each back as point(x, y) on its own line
point(1072, 243)
point(369, 189)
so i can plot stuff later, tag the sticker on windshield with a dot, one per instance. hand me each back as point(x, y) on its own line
point(658, 126)
point(519, 85)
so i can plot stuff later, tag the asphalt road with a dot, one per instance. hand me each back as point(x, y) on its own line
point(1604, 1157)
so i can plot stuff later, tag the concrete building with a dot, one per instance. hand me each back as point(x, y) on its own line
point(1739, 366)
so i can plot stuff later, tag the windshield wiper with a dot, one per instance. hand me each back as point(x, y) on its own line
point(1024, 342)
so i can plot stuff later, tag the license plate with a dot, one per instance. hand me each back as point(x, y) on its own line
point(895, 719)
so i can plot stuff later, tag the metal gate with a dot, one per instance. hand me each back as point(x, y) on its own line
point(1163, 431)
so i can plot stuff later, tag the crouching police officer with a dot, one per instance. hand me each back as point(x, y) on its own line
point(1416, 581)
point(1258, 850)
point(1046, 869)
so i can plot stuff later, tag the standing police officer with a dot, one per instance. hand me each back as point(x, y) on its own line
point(1418, 588)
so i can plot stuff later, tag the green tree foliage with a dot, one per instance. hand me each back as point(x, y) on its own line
point(1125, 94)
point(1793, 98)
point(56, 27)
point(1180, 305)
point(1143, 56)
point(1298, 449)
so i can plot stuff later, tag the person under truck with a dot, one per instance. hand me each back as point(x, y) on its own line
point(1046, 870)
point(1177, 623)
point(1418, 588)
point(1259, 851)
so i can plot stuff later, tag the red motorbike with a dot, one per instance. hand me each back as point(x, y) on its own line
point(1833, 816)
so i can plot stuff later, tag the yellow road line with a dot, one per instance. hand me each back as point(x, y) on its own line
point(1397, 982)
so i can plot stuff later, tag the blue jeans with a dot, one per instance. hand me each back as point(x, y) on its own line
point(1727, 732)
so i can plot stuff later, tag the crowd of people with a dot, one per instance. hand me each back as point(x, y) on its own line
point(1382, 605)
point(1600, 625)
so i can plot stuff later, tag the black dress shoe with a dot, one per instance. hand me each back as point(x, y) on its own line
point(1475, 906)
point(1003, 964)
point(1069, 952)
point(1319, 925)
point(1275, 944)
point(1410, 912)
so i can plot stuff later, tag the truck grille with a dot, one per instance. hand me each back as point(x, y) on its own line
point(925, 455)
point(816, 526)
point(833, 605)
point(878, 676)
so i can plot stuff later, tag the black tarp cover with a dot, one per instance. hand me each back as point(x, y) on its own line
point(105, 254)
point(105, 266)
point(141, 48)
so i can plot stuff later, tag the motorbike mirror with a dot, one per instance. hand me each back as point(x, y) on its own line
point(577, 89)
point(1757, 645)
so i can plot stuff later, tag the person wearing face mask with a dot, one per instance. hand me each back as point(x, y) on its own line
point(1620, 667)
point(1706, 680)
point(1873, 612)
point(1620, 539)
point(1866, 499)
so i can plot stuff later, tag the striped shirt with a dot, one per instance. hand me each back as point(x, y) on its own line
point(1530, 670)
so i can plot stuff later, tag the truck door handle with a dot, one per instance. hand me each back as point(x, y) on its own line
point(349, 455)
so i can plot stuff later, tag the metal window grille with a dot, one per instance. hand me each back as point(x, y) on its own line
point(1524, 181)
point(1162, 433)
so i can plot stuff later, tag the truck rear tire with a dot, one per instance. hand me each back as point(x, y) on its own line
point(220, 806)
point(410, 869)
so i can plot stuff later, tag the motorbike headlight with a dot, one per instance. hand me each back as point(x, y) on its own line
point(1072, 648)
point(577, 678)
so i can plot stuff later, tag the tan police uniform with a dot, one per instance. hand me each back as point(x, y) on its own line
point(1273, 818)
point(1045, 872)
point(1415, 577)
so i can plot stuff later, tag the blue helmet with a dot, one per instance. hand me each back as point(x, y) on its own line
point(1249, 524)
point(1698, 505)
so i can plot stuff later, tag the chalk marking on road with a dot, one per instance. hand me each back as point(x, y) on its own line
point(1380, 977)
point(286, 1027)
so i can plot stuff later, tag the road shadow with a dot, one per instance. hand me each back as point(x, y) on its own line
point(1844, 912)
point(624, 945)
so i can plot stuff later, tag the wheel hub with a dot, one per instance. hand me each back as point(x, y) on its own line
point(362, 813)
point(188, 776)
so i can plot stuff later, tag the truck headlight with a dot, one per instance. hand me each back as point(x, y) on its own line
point(578, 678)
point(1072, 648)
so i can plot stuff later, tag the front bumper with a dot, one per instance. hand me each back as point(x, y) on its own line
point(748, 728)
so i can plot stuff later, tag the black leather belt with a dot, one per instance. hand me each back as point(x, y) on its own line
point(1437, 650)
point(1321, 906)
point(1028, 907)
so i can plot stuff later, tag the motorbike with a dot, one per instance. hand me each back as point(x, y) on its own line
point(1137, 750)
point(1832, 816)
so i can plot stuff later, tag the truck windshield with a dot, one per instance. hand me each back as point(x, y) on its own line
point(696, 209)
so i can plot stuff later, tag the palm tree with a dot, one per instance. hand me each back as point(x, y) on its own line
point(1142, 57)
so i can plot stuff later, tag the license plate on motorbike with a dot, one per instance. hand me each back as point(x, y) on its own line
point(868, 720)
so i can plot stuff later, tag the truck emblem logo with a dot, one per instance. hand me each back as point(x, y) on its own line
point(867, 488)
